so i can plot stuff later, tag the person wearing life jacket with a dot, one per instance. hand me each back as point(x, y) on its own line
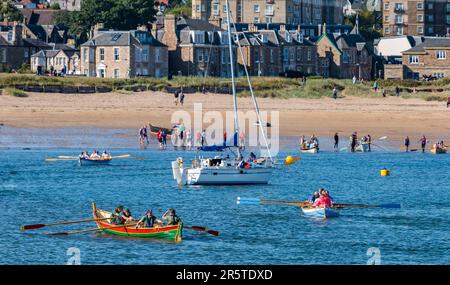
point(148, 220)
point(323, 201)
point(117, 215)
point(170, 217)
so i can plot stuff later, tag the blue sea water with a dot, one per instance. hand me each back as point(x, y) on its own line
point(35, 191)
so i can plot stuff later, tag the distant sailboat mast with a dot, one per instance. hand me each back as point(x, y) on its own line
point(233, 85)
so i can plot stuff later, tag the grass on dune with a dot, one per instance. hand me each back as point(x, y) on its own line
point(267, 87)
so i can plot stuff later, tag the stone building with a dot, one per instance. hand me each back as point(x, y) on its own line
point(123, 54)
point(343, 55)
point(271, 11)
point(429, 58)
point(416, 17)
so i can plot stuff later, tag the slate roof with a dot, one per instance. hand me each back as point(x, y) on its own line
point(120, 38)
point(39, 16)
point(430, 42)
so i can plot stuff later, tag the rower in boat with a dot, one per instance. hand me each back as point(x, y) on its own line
point(126, 217)
point(117, 215)
point(323, 201)
point(95, 154)
point(105, 154)
point(148, 220)
point(314, 197)
point(171, 218)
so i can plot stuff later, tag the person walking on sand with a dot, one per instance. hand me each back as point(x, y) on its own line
point(383, 93)
point(335, 93)
point(181, 97)
point(397, 91)
point(375, 86)
point(175, 97)
point(354, 80)
point(407, 143)
point(448, 101)
point(423, 143)
point(336, 141)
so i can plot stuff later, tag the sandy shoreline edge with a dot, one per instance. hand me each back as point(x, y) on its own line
point(393, 117)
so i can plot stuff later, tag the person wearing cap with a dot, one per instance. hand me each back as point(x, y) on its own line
point(313, 197)
point(148, 220)
point(170, 217)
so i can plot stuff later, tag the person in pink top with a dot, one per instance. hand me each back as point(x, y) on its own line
point(323, 201)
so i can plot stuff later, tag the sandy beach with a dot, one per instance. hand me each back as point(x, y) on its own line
point(393, 117)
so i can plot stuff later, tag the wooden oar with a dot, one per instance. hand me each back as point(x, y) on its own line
point(122, 156)
point(202, 229)
point(38, 226)
point(60, 159)
point(256, 201)
point(91, 230)
point(67, 157)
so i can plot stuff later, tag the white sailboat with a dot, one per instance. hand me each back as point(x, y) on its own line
point(225, 170)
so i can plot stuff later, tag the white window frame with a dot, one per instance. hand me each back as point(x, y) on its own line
point(414, 59)
point(441, 55)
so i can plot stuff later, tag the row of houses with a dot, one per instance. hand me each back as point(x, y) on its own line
point(191, 47)
point(414, 57)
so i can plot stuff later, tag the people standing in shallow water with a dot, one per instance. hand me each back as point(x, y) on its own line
point(423, 143)
point(407, 142)
point(353, 140)
point(336, 141)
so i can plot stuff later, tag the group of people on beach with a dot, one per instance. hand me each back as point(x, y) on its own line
point(121, 216)
point(95, 154)
point(321, 198)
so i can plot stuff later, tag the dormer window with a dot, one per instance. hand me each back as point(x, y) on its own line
point(223, 38)
point(288, 37)
point(300, 37)
point(198, 37)
point(264, 39)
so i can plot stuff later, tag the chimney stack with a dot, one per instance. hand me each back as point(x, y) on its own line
point(17, 34)
point(170, 32)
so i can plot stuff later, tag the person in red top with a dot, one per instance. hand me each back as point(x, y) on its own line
point(448, 101)
point(323, 201)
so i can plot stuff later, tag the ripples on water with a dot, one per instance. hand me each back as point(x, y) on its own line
point(34, 191)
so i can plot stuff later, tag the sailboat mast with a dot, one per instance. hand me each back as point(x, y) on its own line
point(233, 83)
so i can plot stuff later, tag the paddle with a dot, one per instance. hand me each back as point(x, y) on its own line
point(91, 230)
point(202, 229)
point(59, 159)
point(38, 226)
point(256, 201)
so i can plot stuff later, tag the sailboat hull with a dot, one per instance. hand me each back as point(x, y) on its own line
point(229, 176)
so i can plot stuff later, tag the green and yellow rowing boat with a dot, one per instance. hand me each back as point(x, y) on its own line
point(172, 232)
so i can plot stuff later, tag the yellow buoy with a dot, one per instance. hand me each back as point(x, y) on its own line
point(384, 172)
point(289, 159)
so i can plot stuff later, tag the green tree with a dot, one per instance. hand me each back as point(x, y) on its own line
point(180, 8)
point(9, 11)
point(369, 23)
point(114, 14)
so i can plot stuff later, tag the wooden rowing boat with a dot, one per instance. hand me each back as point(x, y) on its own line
point(309, 150)
point(438, 150)
point(173, 232)
point(319, 212)
point(154, 130)
point(95, 161)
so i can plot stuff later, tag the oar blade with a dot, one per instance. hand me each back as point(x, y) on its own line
point(32, 227)
point(213, 232)
point(248, 199)
point(198, 228)
point(59, 234)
